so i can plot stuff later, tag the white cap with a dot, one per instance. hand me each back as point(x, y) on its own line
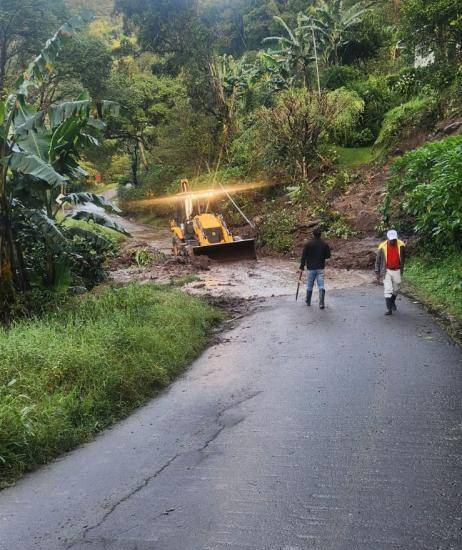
point(392, 235)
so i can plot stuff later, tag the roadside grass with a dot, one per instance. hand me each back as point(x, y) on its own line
point(354, 156)
point(70, 373)
point(148, 217)
point(102, 188)
point(438, 283)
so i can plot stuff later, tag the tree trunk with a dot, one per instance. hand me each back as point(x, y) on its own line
point(3, 62)
point(50, 267)
point(7, 290)
point(144, 160)
point(134, 164)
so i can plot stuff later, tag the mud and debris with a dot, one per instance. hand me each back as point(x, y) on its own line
point(248, 280)
point(233, 286)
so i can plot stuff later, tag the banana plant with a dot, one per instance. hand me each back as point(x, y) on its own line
point(294, 50)
point(39, 158)
point(334, 21)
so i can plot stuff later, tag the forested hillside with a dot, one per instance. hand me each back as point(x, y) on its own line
point(314, 98)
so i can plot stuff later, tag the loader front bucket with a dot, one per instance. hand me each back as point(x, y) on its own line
point(226, 252)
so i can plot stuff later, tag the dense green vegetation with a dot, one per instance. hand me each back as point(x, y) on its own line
point(273, 89)
point(424, 197)
point(438, 283)
point(78, 368)
point(425, 193)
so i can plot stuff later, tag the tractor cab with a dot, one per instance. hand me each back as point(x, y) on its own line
point(199, 232)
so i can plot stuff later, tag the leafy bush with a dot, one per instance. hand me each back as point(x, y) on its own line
point(425, 192)
point(378, 98)
point(451, 96)
point(154, 182)
point(406, 82)
point(410, 80)
point(76, 261)
point(243, 153)
point(294, 129)
point(339, 76)
point(345, 123)
point(338, 227)
point(80, 367)
point(277, 230)
point(361, 138)
point(402, 121)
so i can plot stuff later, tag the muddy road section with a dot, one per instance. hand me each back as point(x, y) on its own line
point(146, 257)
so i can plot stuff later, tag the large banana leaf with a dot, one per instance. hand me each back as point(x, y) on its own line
point(43, 64)
point(32, 165)
point(65, 136)
point(100, 219)
point(62, 111)
point(37, 142)
point(57, 114)
point(45, 225)
point(26, 118)
point(91, 236)
point(98, 200)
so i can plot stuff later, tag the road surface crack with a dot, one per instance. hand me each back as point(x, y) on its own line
point(157, 473)
point(237, 403)
point(114, 506)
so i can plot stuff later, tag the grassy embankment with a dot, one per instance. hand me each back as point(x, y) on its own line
point(438, 284)
point(351, 157)
point(72, 372)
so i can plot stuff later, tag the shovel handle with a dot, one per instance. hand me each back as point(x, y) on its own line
point(298, 286)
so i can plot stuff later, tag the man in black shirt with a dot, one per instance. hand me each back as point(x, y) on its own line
point(315, 254)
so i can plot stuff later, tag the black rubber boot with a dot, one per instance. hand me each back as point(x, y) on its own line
point(389, 303)
point(309, 293)
point(322, 294)
point(393, 302)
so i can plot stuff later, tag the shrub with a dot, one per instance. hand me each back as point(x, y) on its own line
point(293, 130)
point(344, 124)
point(361, 138)
point(243, 152)
point(451, 97)
point(339, 76)
point(78, 261)
point(402, 121)
point(407, 82)
point(277, 230)
point(378, 99)
point(425, 192)
point(410, 80)
point(153, 182)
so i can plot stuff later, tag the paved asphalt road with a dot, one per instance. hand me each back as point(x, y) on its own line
point(335, 430)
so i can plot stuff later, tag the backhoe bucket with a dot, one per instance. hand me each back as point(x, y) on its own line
point(226, 252)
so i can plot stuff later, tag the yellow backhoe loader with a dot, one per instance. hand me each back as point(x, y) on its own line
point(197, 232)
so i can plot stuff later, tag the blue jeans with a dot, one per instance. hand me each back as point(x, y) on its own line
point(315, 275)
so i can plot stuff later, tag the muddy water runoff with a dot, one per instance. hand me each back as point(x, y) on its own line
point(264, 278)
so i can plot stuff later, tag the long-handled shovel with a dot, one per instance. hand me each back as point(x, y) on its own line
point(298, 286)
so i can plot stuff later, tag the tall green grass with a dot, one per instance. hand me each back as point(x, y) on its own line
point(72, 372)
point(437, 281)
